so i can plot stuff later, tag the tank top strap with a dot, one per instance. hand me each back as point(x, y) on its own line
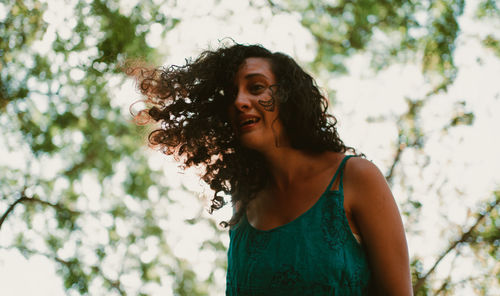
point(340, 171)
point(342, 165)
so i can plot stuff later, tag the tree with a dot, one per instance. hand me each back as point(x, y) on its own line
point(76, 186)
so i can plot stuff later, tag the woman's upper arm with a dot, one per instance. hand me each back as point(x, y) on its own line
point(377, 217)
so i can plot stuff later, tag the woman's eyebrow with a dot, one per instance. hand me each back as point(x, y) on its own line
point(251, 75)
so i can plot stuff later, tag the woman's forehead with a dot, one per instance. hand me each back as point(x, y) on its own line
point(255, 67)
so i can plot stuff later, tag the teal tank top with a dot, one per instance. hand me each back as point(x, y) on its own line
point(315, 254)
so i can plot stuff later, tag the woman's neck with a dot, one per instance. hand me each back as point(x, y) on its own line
point(288, 166)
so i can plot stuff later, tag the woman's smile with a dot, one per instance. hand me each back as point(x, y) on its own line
point(247, 122)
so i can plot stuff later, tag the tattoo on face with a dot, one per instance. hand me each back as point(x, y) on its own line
point(270, 103)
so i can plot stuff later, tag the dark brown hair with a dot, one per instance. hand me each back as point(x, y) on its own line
point(190, 104)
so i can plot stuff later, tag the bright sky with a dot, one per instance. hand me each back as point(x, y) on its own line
point(359, 95)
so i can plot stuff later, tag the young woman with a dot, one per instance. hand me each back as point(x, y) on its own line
point(308, 219)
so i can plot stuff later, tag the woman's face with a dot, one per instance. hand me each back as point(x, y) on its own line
point(254, 112)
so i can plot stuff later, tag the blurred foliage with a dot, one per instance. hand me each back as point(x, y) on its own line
point(76, 178)
point(487, 236)
point(416, 274)
point(390, 30)
point(58, 120)
point(492, 43)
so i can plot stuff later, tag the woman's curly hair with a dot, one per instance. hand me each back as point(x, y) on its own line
point(191, 102)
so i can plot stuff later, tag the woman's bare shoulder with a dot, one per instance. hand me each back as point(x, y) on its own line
point(364, 184)
point(361, 170)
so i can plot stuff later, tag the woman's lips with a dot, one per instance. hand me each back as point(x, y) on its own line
point(249, 126)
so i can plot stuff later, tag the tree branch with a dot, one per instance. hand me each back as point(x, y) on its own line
point(25, 198)
point(273, 6)
point(390, 173)
point(454, 244)
point(11, 208)
point(56, 206)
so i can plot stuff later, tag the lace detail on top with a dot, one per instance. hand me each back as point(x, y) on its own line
point(315, 254)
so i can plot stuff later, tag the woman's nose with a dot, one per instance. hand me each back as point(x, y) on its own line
point(242, 102)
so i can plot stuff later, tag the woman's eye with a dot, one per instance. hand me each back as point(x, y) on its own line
point(256, 88)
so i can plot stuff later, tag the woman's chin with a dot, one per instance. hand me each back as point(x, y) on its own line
point(251, 145)
point(253, 142)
